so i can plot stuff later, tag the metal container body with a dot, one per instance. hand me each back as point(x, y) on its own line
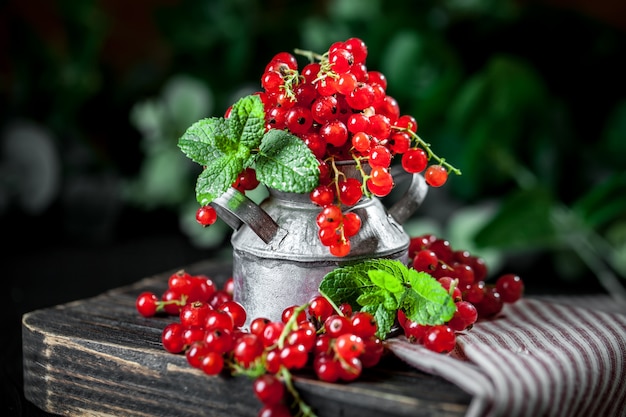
point(287, 271)
point(278, 259)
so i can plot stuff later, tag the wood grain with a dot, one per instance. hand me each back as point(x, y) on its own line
point(99, 357)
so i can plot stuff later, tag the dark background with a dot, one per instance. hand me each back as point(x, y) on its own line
point(528, 98)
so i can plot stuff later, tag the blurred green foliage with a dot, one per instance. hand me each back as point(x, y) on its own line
point(528, 100)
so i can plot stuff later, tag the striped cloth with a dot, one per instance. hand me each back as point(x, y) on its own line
point(535, 359)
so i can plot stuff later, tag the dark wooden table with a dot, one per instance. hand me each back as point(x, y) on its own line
point(98, 357)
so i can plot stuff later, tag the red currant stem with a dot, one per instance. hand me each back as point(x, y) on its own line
point(337, 174)
point(335, 306)
point(453, 284)
point(291, 78)
point(290, 325)
point(255, 370)
point(304, 409)
point(179, 302)
point(431, 155)
point(364, 176)
point(312, 56)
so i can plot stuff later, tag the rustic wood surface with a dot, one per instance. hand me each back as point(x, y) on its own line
point(99, 357)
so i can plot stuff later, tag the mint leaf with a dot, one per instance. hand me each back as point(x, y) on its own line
point(215, 179)
point(383, 286)
point(247, 121)
point(385, 280)
point(285, 163)
point(346, 284)
point(206, 140)
point(371, 298)
point(427, 302)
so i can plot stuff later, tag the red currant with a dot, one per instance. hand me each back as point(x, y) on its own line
point(436, 175)
point(206, 215)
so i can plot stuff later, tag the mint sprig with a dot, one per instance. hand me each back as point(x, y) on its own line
point(383, 286)
point(225, 147)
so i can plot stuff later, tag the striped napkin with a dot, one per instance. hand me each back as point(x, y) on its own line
point(537, 358)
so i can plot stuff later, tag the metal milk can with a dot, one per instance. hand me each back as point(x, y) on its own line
point(278, 260)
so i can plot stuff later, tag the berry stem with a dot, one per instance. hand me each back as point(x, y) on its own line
point(310, 55)
point(291, 325)
point(304, 409)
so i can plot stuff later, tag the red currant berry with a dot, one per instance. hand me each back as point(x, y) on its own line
point(217, 319)
point(340, 249)
point(236, 311)
point(320, 308)
point(358, 49)
point(349, 346)
point(436, 175)
point(299, 120)
point(440, 339)
point(491, 304)
point(334, 132)
point(247, 349)
point(399, 142)
point(336, 325)
point(326, 368)
point(212, 363)
point(294, 356)
point(206, 215)
point(195, 314)
point(322, 195)
point(510, 287)
point(350, 191)
point(172, 338)
point(425, 260)
point(147, 304)
point(373, 352)
point(361, 142)
point(351, 224)
point(258, 324)
point(272, 333)
point(414, 331)
point(330, 216)
point(378, 191)
point(350, 369)
point(414, 160)
point(380, 156)
point(219, 340)
point(290, 311)
point(361, 97)
point(407, 122)
point(268, 389)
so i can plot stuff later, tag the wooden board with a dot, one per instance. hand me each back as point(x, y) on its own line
point(99, 357)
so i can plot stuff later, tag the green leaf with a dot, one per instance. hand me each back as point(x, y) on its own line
point(206, 140)
point(285, 163)
point(347, 284)
point(427, 302)
point(247, 121)
point(366, 284)
point(522, 221)
point(218, 175)
point(371, 298)
point(604, 202)
point(385, 280)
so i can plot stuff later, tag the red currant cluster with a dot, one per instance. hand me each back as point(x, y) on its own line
point(342, 111)
point(182, 289)
point(463, 275)
point(210, 332)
